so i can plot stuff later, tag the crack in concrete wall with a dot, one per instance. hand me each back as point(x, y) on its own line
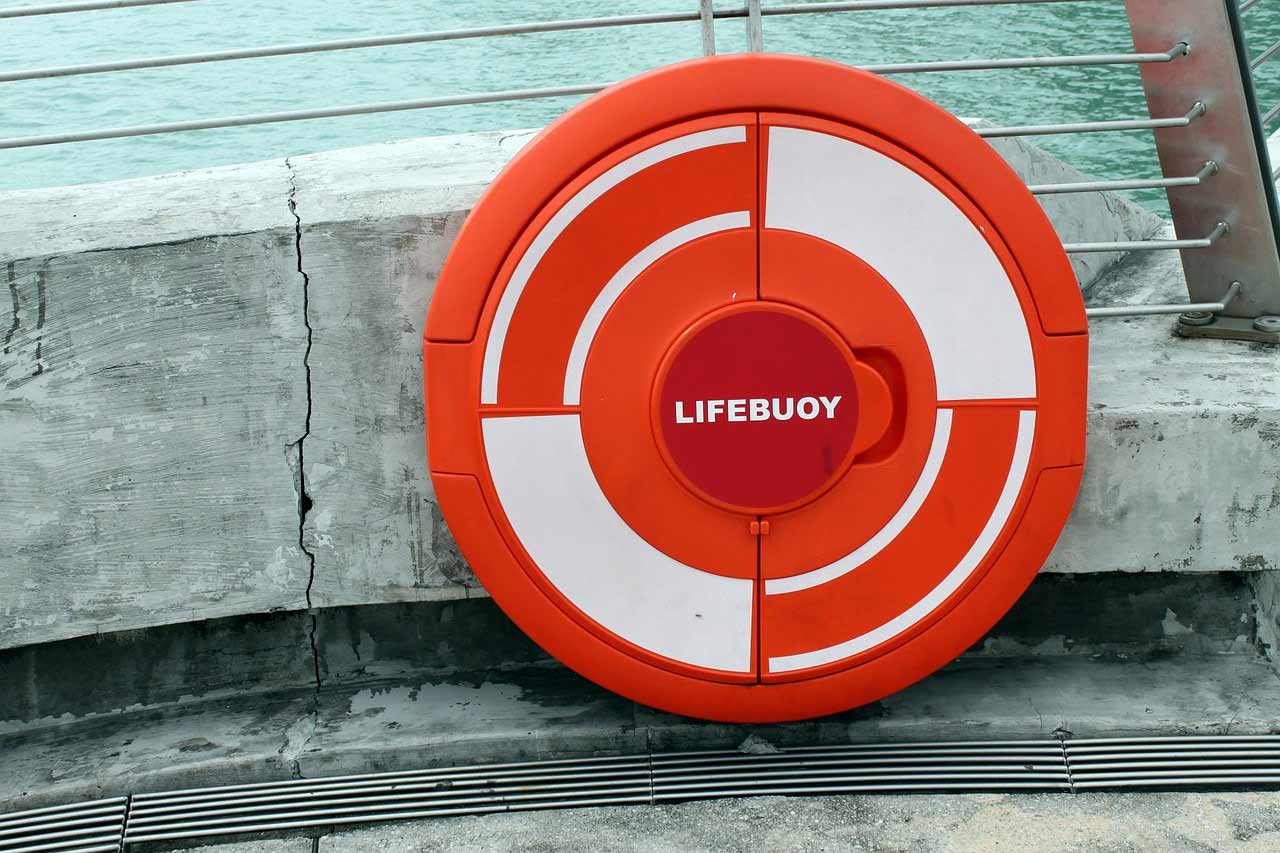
point(304, 498)
point(145, 458)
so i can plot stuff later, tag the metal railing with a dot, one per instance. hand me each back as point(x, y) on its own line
point(1196, 71)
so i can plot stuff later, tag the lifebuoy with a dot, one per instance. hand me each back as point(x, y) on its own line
point(756, 388)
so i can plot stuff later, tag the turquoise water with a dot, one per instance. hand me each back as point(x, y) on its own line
point(417, 71)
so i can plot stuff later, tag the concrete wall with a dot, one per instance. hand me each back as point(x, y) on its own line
point(153, 398)
point(212, 396)
point(1139, 616)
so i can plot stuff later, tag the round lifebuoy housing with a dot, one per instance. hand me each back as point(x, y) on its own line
point(756, 388)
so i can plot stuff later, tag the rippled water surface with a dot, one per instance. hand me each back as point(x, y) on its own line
point(419, 71)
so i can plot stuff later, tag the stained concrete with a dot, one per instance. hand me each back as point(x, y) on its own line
point(1115, 615)
point(181, 350)
point(1266, 589)
point(218, 742)
point(152, 398)
point(977, 823)
point(376, 530)
point(50, 684)
point(159, 210)
point(1139, 614)
point(262, 845)
point(377, 223)
point(389, 214)
point(548, 712)
point(209, 338)
point(1183, 455)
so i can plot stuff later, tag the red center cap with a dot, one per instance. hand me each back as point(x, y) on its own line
point(756, 407)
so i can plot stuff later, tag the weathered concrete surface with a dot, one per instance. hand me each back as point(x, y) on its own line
point(1183, 467)
point(976, 823)
point(1114, 615)
point(385, 642)
point(220, 742)
point(1266, 589)
point(547, 712)
point(153, 386)
point(162, 209)
point(149, 472)
point(155, 669)
point(1139, 615)
point(389, 214)
point(377, 224)
point(263, 845)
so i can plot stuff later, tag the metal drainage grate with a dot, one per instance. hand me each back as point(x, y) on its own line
point(1174, 762)
point(954, 767)
point(77, 828)
point(413, 795)
point(610, 781)
point(926, 767)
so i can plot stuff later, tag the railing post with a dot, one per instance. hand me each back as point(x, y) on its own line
point(707, 15)
point(755, 27)
point(1242, 193)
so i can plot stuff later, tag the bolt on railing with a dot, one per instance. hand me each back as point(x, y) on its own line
point(1191, 54)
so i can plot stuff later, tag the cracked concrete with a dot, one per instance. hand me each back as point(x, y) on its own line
point(178, 355)
point(304, 498)
point(147, 404)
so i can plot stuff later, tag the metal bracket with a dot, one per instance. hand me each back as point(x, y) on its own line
point(1232, 328)
point(1215, 71)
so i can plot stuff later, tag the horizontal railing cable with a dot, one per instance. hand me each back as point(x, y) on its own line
point(508, 95)
point(1107, 126)
point(1149, 310)
point(85, 6)
point(345, 44)
point(794, 9)
point(1220, 230)
point(1210, 168)
point(1088, 59)
point(298, 115)
point(882, 5)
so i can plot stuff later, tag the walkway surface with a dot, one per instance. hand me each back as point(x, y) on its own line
point(1047, 823)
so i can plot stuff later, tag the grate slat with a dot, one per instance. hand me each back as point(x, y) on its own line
point(74, 828)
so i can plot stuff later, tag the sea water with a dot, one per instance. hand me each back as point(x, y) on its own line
point(524, 61)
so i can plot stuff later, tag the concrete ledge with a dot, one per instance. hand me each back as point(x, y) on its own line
point(1183, 465)
point(157, 670)
point(548, 712)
